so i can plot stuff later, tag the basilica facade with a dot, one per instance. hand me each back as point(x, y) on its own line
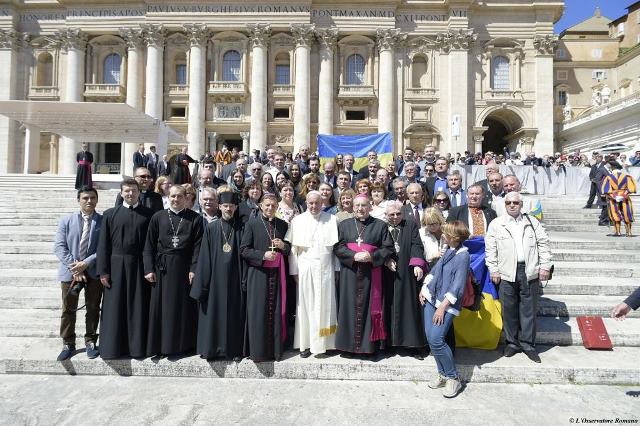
point(463, 75)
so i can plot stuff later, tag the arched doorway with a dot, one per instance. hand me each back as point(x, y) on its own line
point(501, 125)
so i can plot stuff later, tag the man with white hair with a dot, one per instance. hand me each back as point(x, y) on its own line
point(531, 206)
point(518, 258)
point(313, 266)
point(208, 200)
point(404, 270)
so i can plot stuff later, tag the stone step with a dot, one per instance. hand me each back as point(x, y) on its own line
point(26, 235)
point(41, 261)
point(569, 305)
point(605, 268)
point(28, 278)
point(581, 255)
point(613, 243)
point(591, 286)
point(26, 247)
point(604, 230)
point(560, 365)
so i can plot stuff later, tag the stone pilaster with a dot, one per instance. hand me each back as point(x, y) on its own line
point(154, 36)
point(8, 86)
point(198, 36)
point(134, 39)
point(387, 40)
point(327, 39)
point(304, 36)
point(259, 35)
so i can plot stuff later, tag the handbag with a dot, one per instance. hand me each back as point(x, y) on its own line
point(472, 293)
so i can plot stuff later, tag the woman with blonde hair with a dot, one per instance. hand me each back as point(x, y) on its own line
point(310, 182)
point(190, 195)
point(431, 235)
point(442, 202)
point(345, 205)
point(162, 187)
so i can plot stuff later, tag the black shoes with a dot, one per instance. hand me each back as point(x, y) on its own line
point(533, 356)
point(305, 354)
point(509, 351)
point(92, 350)
point(67, 352)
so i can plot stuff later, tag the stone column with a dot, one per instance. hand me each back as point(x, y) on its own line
point(212, 140)
point(133, 37)
point(53, 154)
point(303, 34)
point(545, 47)
point(327, 39)
point(198, 35)
point(9, 40)
point(74, 42)
point(259, 34)
point(31, 149)
point(245, 142)
point(387, 39)
point(154, 93)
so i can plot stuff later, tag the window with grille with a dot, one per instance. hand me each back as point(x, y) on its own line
point(355, 70)
point(283, 74)
point(231, 66)
point(500, 73)
point(562, 97)
point(112, 69)
point(181, 74)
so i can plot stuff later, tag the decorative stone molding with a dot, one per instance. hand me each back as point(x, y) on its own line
point(198, 34)
point(545, 45)
point(133, 37)
point(282, 140)
point(8, 39)
point(154, 34)
point(259, 34)
point(303, 34)
point(245, 136)
point(388, 38)
point(72, 38)
point(327, 37)
point(461, 39)
point(421, 45)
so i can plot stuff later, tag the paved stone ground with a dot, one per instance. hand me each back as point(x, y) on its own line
point(63, 400)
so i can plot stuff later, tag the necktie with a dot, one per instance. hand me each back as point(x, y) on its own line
point(416, 214)
point(454, 199)
point(478, 221)
point(84, 238)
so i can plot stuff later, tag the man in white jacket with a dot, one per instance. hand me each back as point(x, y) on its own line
point(518, 258)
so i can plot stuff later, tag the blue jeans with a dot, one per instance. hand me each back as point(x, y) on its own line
point(436, 335)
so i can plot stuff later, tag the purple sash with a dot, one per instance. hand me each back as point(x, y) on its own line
point(377, 323)
point(416, 261)
point(279, 263)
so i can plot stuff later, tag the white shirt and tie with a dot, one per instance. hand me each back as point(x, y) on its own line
point(417, 212)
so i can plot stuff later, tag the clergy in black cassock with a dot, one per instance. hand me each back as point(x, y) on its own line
point(183, 175)
point(264, 250)
point(217, 285)
point(364, 245)
point(402, 273)
point(125, 304)
point(170, 257)
point(84, 159)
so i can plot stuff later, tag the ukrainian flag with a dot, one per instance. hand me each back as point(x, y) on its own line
point(481, 329)
point(331, 145)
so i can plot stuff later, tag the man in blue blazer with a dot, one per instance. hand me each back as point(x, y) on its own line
point(457, 195)
point(75, 246)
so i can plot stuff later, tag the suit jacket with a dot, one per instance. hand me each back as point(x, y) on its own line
point(408, 213)
point(429, 186)
point(67, 244)
point(463, 196)
point(151, 200)
point(152, 163)
point(333, 181)
point(461, 213)
point(634, 299)
point(164, 169)
point(139, 160)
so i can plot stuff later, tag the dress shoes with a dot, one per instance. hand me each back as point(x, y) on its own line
point(67, 352)
point(305, 354)
point(510, 351)
point(533, 356)
point(92, 350)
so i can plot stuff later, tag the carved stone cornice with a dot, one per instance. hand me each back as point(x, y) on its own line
point(154, 34)
point(388, 38)
point(71, 38)
point(545, 45)
point(461, 39)
point(133, 37)
point(198, 34)
point(9, 39)
point(328, 38)
point(259, 34)
point(303, 34)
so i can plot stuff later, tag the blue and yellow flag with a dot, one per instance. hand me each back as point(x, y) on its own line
point(481, 329)
point(359, 145)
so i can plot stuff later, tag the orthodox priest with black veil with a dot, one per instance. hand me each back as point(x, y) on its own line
point(170, 257)
point(217, 285)
point(125, 303)
point(402, 273)
point(364, 245)
point(264, 250)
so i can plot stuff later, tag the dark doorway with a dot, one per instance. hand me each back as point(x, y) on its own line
point(112, 153)
point(495, 136)
point(231, 143)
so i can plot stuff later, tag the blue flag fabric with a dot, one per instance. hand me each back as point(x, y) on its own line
point(478, 267)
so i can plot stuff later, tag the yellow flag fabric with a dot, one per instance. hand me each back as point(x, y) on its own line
point(481, 329)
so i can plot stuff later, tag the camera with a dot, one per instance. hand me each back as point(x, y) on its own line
point(75, 288)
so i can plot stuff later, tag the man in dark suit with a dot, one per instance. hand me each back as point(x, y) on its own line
point(153, 160)
point(474, 214)
point(415, 205)
point(329, 175)
point(148, 198)
point(164, 168)
point(603, 170)
point(139, 159)
point(348, 161)
point(439, 181)
point(621, 310)
point(75, 246)
point(488, 169)
point(593, 191)
point(457, 195)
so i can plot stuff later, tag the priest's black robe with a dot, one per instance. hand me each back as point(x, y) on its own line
point(83, 172)
point(182, 169)
point(354, 310)
point(173, 315)
point(264, 299)
point(125, 305)
point(217, 287)
point(403, 312)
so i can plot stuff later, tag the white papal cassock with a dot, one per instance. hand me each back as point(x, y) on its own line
point(312, 239)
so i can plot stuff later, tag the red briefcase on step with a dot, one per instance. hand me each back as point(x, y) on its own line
point(594, 334)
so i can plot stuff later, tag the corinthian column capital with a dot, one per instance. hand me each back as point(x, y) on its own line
point(154, 34)
point(133, 37)
point(72, 38)
point(387, 38)
point(327, 37)
point(198, 34)
point(259, 34)
point(303, 34)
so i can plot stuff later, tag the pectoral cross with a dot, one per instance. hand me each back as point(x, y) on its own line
point(359, 241)
point(175, 240)
point(272, 246)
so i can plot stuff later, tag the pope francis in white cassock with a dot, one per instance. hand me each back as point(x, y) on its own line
point(313, 265)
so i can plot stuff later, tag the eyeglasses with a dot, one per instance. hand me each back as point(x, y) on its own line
point(432, 223)
point(144, 176)
point(512, 203)
point(441, 200)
